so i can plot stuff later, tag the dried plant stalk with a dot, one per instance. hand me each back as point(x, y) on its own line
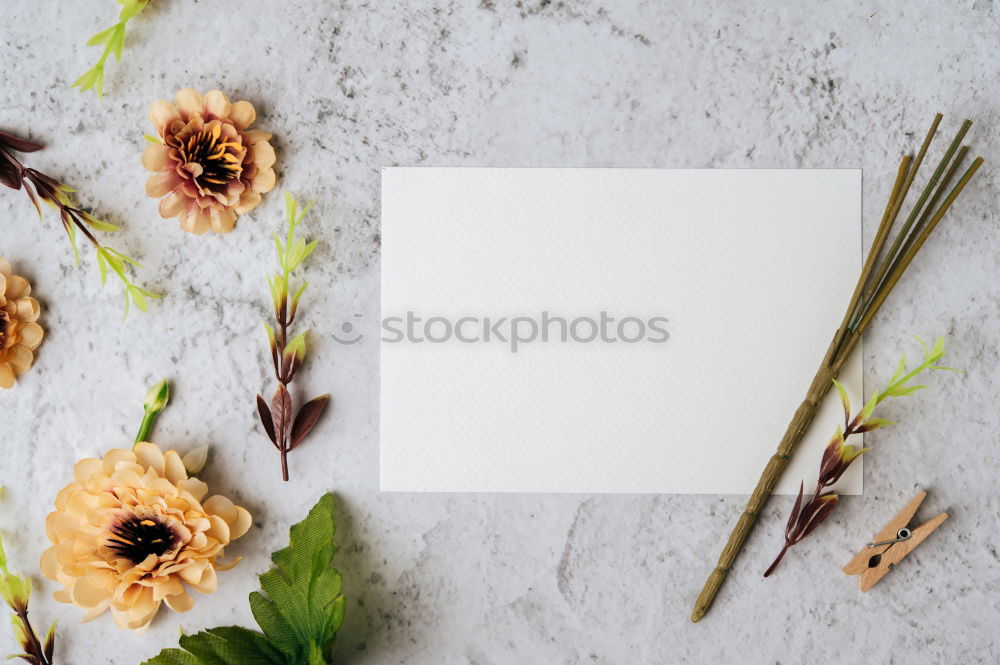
point(878, 277)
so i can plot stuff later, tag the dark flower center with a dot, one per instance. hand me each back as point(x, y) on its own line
point(218, 158)
point(136, 538)
point(4, 326)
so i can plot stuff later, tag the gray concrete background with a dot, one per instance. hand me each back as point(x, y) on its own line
point(349, 87)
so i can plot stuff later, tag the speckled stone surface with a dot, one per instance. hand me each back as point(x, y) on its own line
point(348, 87)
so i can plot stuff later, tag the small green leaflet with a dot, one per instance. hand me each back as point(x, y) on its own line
point(113, 40)
point(299, 608)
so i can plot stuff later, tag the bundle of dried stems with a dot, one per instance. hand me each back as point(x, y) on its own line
point(880, 273)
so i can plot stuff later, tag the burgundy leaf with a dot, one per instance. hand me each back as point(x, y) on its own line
point(795, 512)
point(281, 412)
point(819, 516)
point(265, 419)
point(293, 366)
point(34, 199)
point(9, 175)
point(286, 362)
point(307, 417)
point(50, 644)
point(17, 143)
point(37, 176)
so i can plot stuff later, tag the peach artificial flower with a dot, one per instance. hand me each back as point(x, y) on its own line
point(131, 531)
point(20, 333)
point(209, 166)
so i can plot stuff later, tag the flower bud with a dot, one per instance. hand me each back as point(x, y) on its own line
point(157, 398)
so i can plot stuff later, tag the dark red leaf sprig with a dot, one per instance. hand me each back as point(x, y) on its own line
point(41, 188)
point(284, 430)
point(838, 454)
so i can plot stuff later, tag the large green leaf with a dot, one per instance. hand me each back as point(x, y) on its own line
point(299, 609)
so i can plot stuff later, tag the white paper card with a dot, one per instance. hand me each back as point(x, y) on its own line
point(751, 269)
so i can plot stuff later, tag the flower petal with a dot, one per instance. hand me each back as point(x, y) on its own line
point(242, 114)
point(17, 287)
point(189, 102)
point(263, 155)
point(26, 309)
point(221, 506)
point(264, 182)
point(162, 183)
point(242, 523)
point(31, 335)
point(173, 204)
point(117, 456)
point(181, 602)
point(20, 359)
point(217, 104)
point(223, 221)
point(208, 582)
point(174, 467)
point(248, 202)
point(196, 488)
point(6, 376)
point(156, 157)
point(4, 266)
point(85, 468)
point(149, 456)
point(161, 114)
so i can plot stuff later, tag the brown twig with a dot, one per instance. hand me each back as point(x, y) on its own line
point(878, 277)
point(287, 355)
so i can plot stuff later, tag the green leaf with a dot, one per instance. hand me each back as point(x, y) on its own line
point(71, 232)
point(117, 42)
point(152, 139)
point(99, 225)
point(221, 646)
point(302, 589)
point(138, 298)
point(113, 39)
point(291, 208)
point(844, 399)
point(299, 608)
point(875, 423)
point(102, 36)
point(102, 264)
point(869, 407)
point(86, 80)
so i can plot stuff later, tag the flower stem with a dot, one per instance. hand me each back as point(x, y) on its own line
point(156, 401)
point(777, 560)
point(32, 636)
point(145, 426)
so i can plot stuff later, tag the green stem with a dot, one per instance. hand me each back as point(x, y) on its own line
point(145, 426)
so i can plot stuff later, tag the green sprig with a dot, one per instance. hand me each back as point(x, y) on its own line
point(839, 455)
point(15, 590)
point(115, 261)
point(288, 354)
point(113, 40)
point(898, 385)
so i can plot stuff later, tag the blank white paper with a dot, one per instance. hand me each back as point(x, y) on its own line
point(751, 268)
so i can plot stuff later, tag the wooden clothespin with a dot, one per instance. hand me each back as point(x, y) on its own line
point(892, 544)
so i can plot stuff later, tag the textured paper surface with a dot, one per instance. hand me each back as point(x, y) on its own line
point(753, 269)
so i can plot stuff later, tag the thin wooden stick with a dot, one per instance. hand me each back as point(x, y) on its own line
point(871, 261)
point(877, 279)
point(897, 243)
point(898, 271)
